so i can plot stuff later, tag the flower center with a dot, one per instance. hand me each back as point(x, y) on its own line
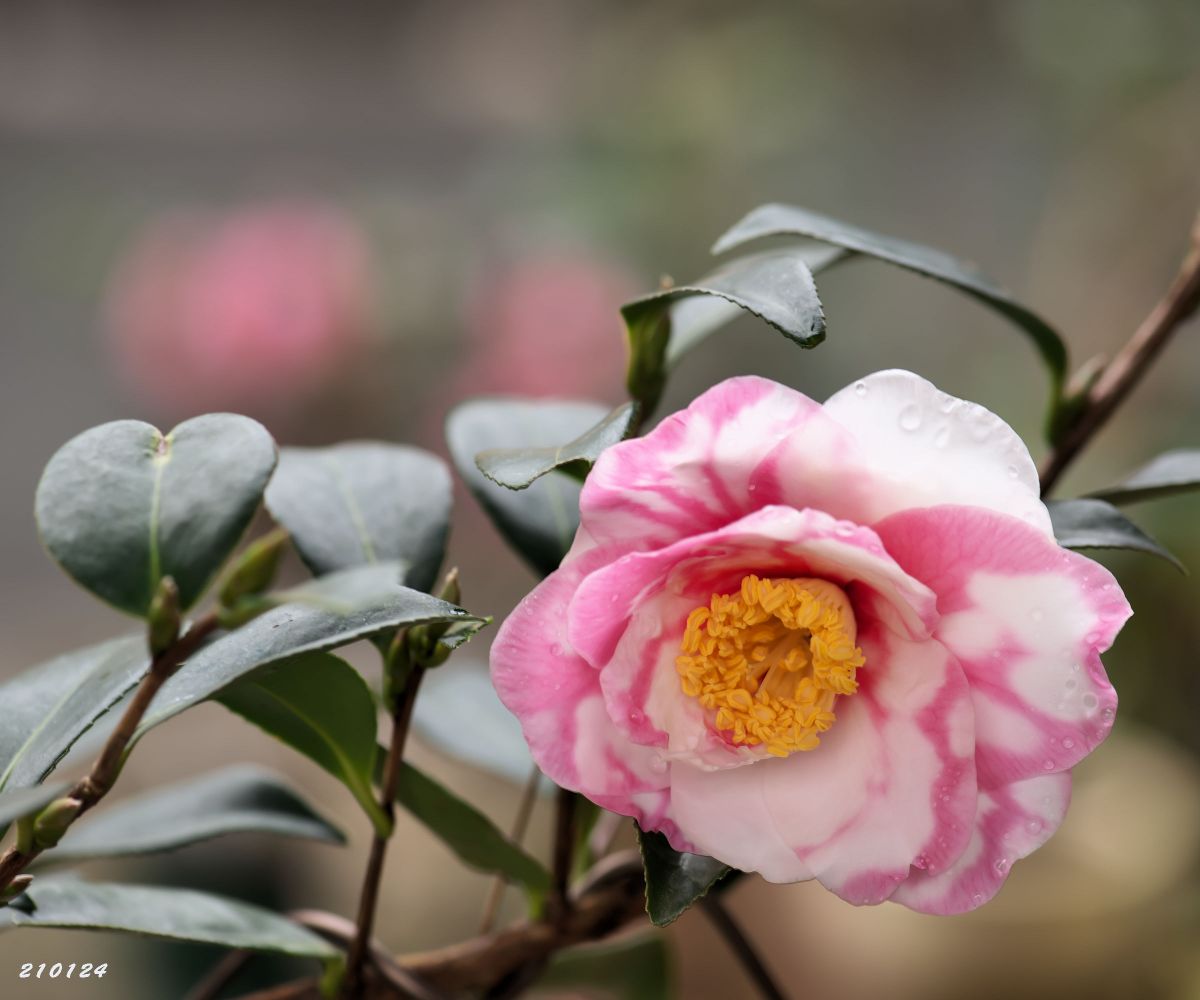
point(770, 660)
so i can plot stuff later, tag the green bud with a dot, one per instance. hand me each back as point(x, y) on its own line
point(254, 570)
point(164, 616)
point(421, 642)
point(53, 821)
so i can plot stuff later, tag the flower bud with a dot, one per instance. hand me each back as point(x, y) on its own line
point(254, 570)
point(53, 821)
point(164, 616)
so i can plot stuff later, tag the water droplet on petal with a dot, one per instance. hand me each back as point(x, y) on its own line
point(1090, 702)
point(860, 388)
point(1071, 684)
point(942, 437)
point(1001, 865)
point(910, 417)
point(1033, 825)
point(1048, 765)
point(844, 529)
point(1013, 472)
point(1068, 743)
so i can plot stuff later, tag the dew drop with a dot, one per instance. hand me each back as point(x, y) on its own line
point(1107, 715)
point(1068, 743)
point(942, 437)
point(1001, 865)
point(612, 598)
point(1047, 764)
point(1090, 702)
point(1013, 472)
point(636, 716)
point(1033, 825)
point(977, 898)
point(860, 389)
point(844, 529)
point(910, 417)
point(1071, 684)
point(921, 862)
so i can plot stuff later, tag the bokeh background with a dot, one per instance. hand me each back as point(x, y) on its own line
point(342, 219)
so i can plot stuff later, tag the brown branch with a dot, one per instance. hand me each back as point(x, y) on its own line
point(1130, 364)
point(91, 788)
point(352, 984)
point(611, 897)
point(564, 851)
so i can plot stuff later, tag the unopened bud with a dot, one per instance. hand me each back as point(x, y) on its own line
point(254, 570)
point(54, 821)
point(163, 616)
point(14, 888)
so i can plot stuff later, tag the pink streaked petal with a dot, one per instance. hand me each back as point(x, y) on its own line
point(696, 470)
point(1012, 822)
point(1027, 620)
point(922, 447)
point(557, 698)
point(892, 784)
point(627, 618)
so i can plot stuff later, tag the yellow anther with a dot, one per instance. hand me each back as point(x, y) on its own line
point(770, 660)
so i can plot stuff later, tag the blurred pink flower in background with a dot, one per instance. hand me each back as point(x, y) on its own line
point(251, 310)
point(547, 325)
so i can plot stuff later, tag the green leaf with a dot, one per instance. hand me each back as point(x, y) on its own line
point(787, 220)
point(23, 802)
point(364, 502)
point(176, 914)
point(636, 968)
point(461, 715)
point(675, 880)
point(1171, 472)
point(777, 287)
point(538, 522)
point(1096, 524)
point(297, 628)
point(468, 832)
point(239, 799)
point(122, 505)
point(517, 468)
point(319, 705)
point(47, 708)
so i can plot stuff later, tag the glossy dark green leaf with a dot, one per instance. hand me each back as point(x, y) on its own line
point(177, 914)
point(674, 879)
point(517, 468)
point(787, 220)
point(461, 715)
point(297, 628)
point(122, 505)
point(1171, 472)
point(319, 705)
point(364, 502)
point(635, 968)
point(239, 799)
point(476, 840)
point(26, 801)
point(1096, 524)
point(777, 287)
point(538, 522)
point(47, 708)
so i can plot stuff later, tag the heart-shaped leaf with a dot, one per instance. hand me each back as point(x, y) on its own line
point(319, 705)
point(538, 522)
point(476, 840)
point(460, 714)
point(777, 287)
point(239, 799)
point(177, 914)
point(1171, 472)
point(123, 505)
point(788, 220)
point(674, 879)
point(1096, 524)
point(364, 502)
point(297, 628)
point(47, 708)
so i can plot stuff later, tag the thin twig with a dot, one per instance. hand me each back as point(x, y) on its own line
point(1129, 365)
point(220, 976)
point(369, 897)
point(520, 825)
point(728, 928)
point(93, 786)
point(564, 850)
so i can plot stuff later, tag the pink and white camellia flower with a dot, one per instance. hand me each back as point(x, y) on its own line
point(835, 642)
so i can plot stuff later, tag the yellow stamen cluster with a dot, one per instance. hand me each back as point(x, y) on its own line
point(770, 660)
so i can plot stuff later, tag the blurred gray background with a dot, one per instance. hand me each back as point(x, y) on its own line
point(506, 175)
